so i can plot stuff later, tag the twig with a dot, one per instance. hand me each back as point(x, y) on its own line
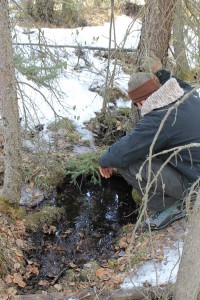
point(85, 296)
point(57, 277)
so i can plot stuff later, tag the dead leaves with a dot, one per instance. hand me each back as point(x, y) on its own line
point(104, 274)
point(43, 283)
point(17, 278)
point(22, 275)
point(32, 269)
point(49, 229)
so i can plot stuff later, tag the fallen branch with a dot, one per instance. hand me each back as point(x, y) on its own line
point(137, 293)
point(76, 47)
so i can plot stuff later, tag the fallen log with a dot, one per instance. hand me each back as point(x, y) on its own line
point(137, 293)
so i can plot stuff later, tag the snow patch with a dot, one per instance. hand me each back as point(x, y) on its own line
point(155, 273)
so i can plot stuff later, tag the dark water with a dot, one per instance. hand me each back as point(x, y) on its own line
point(94, 216)
point(97, 208)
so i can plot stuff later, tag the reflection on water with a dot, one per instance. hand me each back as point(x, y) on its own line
point(102, 208)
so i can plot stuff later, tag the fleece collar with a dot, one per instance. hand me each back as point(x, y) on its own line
point(166, 94)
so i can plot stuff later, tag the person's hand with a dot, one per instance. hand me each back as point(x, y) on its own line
point(151, 64)
point(106, 172)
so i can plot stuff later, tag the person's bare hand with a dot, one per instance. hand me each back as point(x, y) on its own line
point(106, 172)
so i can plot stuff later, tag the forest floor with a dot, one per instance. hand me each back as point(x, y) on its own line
point(39, 258)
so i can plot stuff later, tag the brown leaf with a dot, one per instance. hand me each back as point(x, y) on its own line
point(43, 283)
point(20, 243)
point(145, 258)
point(58, 287)
point(72, 283)
point(122, 267)
point(31, 184)
point(30, 262)
point(103, 274)
point(45, 228)
point(123, 244)
point(122, 260)
point(8, 279)
point(60, 249)
point(19, 256)
point(52, 229)
point(37, 195)
point(18, 279)
point(33, 269)
point(72, 265)
point(66, 233)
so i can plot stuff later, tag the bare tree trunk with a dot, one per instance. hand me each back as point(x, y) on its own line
point(69, 11)
point(29, 6)
point(156, 29)
point(182, 66)
point(188, 279)
point(9, 110)
point(45, 10)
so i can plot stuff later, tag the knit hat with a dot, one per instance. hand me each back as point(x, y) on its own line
point(141, 85)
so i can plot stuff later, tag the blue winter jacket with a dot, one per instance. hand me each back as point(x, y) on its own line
point(182, 127)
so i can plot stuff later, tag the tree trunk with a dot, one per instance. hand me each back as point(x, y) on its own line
point(182, 66)
point(69, 12)
point(9, 111)
point(156, 29)
point(188, 279)
point(45, 10)
point(29, 7)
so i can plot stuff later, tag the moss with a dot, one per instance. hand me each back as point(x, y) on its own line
point(111, 263)
point(46, 171)
point(48, 215)
point(136, 197)
point(87, 274)
point(68, 128)
point(12, 209)
point(62, 124)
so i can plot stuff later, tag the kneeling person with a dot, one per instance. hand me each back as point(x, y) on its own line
point(155, 94)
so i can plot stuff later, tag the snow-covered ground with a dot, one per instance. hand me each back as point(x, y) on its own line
point(80, 75)
point(156, 273)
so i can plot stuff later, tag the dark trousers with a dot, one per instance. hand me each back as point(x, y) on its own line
point(170, 185)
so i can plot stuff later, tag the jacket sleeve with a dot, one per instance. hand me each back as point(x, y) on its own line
point(134, 146)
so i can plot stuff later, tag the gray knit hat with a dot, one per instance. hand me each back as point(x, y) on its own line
point(138, 79)
point(141, 85)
